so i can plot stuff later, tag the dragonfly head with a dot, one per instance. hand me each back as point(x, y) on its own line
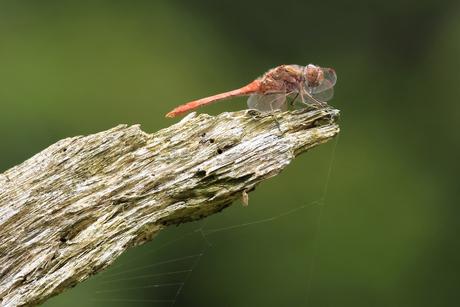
point(313, 75)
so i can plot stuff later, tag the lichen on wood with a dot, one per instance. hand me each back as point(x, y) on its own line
point(69, 211)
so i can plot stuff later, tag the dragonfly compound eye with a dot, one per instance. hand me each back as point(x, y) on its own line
point(313, 75)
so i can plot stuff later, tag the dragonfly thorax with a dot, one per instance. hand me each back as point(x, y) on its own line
point(284, 78)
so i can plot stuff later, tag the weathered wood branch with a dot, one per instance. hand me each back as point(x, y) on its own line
point(71, 210)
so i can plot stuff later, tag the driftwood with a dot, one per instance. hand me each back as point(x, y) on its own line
point(68, 212)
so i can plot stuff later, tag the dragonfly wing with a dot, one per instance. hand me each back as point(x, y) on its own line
point(268, 102)
point(252, 101)
point(330, 75)
point(324, 95)
point(283, 107)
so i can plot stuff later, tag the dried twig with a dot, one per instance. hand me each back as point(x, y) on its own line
point(71, 210)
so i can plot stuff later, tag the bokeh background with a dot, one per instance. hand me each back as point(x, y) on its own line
point(382, 232)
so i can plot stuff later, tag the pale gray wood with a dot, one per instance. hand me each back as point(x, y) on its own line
point(69, 211)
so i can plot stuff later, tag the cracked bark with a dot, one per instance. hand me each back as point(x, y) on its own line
point(69, 211)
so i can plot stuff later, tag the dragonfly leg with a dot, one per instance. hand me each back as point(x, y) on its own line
point(312, 98)
point(274, 115)
point(293, 100)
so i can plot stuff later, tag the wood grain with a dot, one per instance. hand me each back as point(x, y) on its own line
point(69, 211)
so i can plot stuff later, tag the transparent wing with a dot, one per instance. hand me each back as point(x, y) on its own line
point(266, 103)
point(284, 105)
point(321, 97)
point(329, 80)
point(324, 95)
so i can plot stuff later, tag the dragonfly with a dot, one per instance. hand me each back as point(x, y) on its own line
point(310, 85)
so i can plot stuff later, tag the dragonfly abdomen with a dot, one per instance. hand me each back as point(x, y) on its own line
point(244, 91)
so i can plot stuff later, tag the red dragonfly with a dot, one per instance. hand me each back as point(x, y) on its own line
point(311, 85)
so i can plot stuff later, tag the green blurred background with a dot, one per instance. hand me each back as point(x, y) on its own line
point(387, 232)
